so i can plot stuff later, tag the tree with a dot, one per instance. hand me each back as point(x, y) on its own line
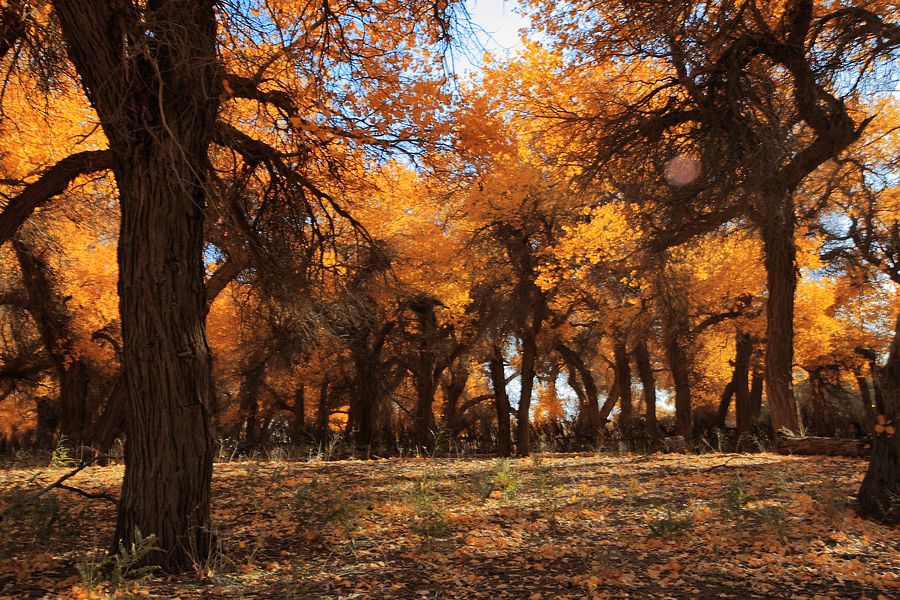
point(720, 113)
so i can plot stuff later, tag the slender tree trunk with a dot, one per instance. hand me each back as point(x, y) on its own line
point(817, 405)
point(501, 400)
point(877, 396)
point(879, 495)
point(322, 412)
point(523, 414)
point(865, 398)
point(681, 376)
point(623, 377)
point(781, 277)
point(648, 387)
point(745, 412)
point(298, 416)
point(152, 75)
point(724, 404)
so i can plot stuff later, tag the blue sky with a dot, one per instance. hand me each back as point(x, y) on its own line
point(496, 25)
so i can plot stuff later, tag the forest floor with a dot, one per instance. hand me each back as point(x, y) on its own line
point(552, 526)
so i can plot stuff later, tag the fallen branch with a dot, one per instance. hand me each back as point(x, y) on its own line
point(58, 484)
point(821, 446)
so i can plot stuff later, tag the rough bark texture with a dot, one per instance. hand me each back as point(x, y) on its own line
point(648, 389)
point(781, 278)
point(501, 401)
point(153, 78)
point(879, 495)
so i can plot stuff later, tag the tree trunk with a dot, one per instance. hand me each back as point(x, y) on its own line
point(153, 77)
point(865, 397)
point(56, 326)
point(781, 278)
point(739, 384)
point(586, 391)
point(648, 388)
point(501, 400)
point(253, 375)
point(523, 414)
point(298, 414)
point(452, 387)
point(363, 416)
point(425, 384)
point(681, 377)
point(322, 412)
point(879, 495)
point(623, 377)
point(817, 405)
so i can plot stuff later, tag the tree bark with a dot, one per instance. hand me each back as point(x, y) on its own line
point(879, 495)
point(648, 388)
point(56, 326)
point(523, 414)
point(586, 389)
point(738, 386)
point(623, 377)
point(298, 414)
point(781, 279)
point(322, 412)
point(453, 385)
point(153, 77)
point(501, 400)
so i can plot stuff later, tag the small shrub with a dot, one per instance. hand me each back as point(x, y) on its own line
point(507, 480)
point(671, 524)
point(428, 507)
point(117, 572)
point(736, 496)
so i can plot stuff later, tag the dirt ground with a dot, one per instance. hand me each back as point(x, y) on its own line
point(551, 526)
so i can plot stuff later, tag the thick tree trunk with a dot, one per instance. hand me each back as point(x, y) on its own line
point(623, 377)
point(56, 326)
point(425, 385)
point(879, 495)
point(501, 401)
point(648, 388)
point(363, 415)
point(523, 414)
point(253, 374)
point(453, 385)
point(781, 278)
point(153, 77)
